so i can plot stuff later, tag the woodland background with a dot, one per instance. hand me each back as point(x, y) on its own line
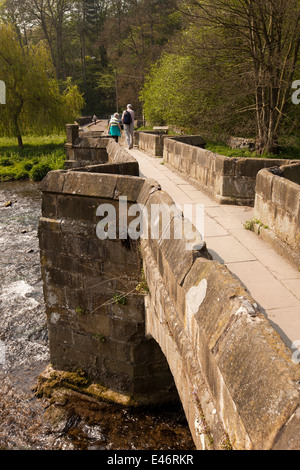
point(215, 67)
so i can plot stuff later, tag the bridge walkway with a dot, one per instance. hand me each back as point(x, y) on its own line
point(271, 280)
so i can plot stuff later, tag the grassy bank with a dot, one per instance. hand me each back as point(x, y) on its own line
point(291, 152)
point(39, 155)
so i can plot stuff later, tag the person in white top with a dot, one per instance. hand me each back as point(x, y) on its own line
point(128, 124)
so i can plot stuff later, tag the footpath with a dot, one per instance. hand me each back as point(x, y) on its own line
point(271, 280)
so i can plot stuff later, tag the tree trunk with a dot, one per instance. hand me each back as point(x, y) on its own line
point(18, 131)
point(20, 141)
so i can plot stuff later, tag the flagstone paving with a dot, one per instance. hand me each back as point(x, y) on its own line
point(271, 280)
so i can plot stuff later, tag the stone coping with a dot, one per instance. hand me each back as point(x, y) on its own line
point(227, 180)
point(277, 209)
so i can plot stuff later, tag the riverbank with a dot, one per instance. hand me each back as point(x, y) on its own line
point(39, 155)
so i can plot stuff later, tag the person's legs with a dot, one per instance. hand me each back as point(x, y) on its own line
point(127, 134)
point(131, 134)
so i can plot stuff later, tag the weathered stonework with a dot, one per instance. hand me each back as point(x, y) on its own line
point(234, 375)
point(152, 142)
point(277, 209)
point(242, 143)
point(93, 153)
point(227, 180)
point(91, 326)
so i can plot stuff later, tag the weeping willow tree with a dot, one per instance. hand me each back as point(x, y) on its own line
point(34, 102)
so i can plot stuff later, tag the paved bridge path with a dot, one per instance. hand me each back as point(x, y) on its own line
point(271, 280)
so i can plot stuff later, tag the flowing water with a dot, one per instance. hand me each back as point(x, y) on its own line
point(80, 422)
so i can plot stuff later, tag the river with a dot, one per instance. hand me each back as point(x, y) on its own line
point(81, 423)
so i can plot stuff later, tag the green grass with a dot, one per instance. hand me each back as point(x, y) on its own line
point(289, 149)
point(39, 155)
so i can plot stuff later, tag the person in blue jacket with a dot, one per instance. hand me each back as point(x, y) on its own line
point(114, 127)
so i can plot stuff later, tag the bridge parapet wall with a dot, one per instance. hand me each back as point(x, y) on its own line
point(152, 142)
point(234, 375)
point(277, 209)
point(225, 179)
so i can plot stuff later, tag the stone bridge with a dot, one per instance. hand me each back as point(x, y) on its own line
point(153, 317)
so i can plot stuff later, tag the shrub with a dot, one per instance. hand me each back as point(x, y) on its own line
point(5, 161)
point(28, 166)
point(7, 175)
point(21, 175)
point(39, 171)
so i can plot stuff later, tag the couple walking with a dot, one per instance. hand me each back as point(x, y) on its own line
point(128, 124)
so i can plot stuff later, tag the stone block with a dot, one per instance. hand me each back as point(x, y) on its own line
point(265, 211)
point(251, 166)
point(125, 330)
point(77, 208)
point(53, 182)
point(289, 437)
point(225, 166)
point(191, 246)
point(204, 157)
point(285, 225)
point(60, 277)
point(203, 175)
point(72, 133)
point(292, 172)
point(235, 332)
point(149, 187)
point(239, 188)
point(50, 235)
point(264, 184)
point(89, 184)
point(128, 186)
point(49, 205)
point(286, 194)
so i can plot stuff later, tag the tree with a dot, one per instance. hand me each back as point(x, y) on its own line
point(168, 93)
point(261, 39)
point(136, 32)
point(33, 103)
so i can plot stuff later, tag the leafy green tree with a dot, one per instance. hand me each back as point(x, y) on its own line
point(34, 102)
point(259, 41)
point(135, 35)
point(168, 94)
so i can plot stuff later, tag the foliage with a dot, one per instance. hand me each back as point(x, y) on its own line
point(256, 45)
point(241, 60)
point(38, 153)
point(39, 171)
point(211, 66)
point(34, 102)
point(186, 91)
point(106, 46)
point(292, 152)
point(120, 298)
point(163, 101)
